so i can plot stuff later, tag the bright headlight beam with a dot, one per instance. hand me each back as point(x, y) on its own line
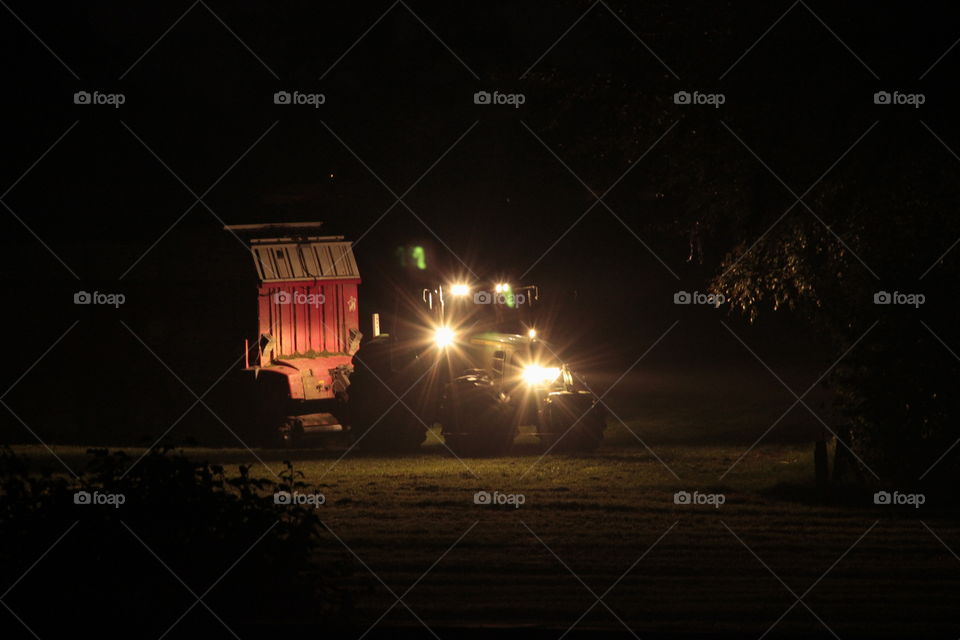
point(536, 375)
point(459, 289)
point(443, 337)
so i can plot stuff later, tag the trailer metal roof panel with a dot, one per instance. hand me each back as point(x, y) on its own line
point(297, 261)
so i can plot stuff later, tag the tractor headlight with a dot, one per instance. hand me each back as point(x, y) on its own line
point(536, 375)
point(443, 337)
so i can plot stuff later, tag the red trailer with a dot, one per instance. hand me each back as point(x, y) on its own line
point(308, 316)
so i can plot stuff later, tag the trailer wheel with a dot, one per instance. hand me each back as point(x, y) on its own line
point(274, 430)
point(284, 437)
point(572, 422)
point(476, 418)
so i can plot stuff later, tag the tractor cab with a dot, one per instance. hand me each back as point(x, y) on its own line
point(499, 307)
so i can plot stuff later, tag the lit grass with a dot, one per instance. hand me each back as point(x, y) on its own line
point(600, 512)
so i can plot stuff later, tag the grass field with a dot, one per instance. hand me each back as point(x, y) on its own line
point(610, 518)
point(608, 521)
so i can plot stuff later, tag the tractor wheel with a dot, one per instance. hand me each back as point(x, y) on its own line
point(572, 422)
point(476, 418)
point(376, 425)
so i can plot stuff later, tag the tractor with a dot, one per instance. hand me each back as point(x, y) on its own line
point(469, 359)
point(473, 361)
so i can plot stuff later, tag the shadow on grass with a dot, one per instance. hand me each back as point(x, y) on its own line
point(861, 497)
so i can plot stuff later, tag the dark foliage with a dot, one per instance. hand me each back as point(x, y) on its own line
point(183, 527)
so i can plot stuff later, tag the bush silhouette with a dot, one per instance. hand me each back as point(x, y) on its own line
point(186, 530)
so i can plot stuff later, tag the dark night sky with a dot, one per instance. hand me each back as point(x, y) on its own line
point(399, 99)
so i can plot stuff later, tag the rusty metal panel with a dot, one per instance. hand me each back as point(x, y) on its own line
point(345, 261)
point(294, 261)
point(309, 317)
point(324, 260)
point(310, 263)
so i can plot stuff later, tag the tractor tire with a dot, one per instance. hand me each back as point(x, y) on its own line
point(572, 422)
point(477, 419)
point(373, 423)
